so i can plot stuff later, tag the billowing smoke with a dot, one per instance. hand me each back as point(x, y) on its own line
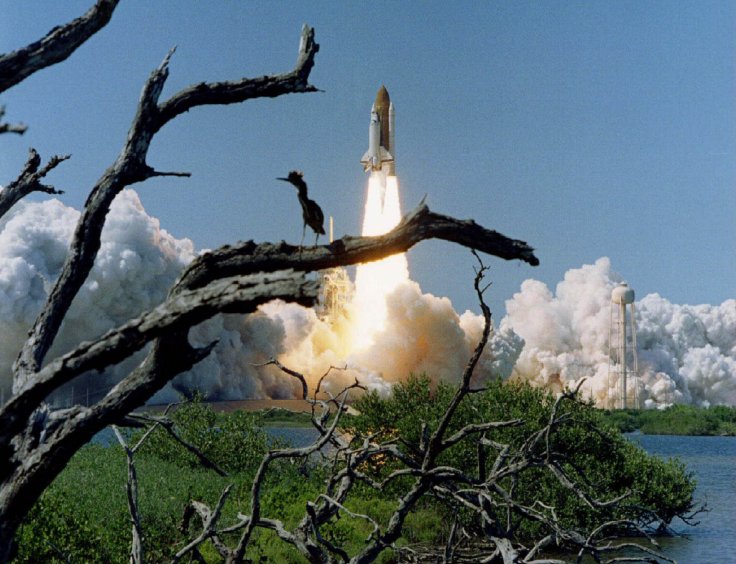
point(137, 264)
point(423, 334)
point(687, 354)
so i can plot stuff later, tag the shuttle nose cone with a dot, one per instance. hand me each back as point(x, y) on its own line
point(382, 98)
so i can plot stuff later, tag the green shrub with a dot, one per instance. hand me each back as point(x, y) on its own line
point(83, 515)
point(600, 459)
point(234, 441)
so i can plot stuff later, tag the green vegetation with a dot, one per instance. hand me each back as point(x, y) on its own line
point(279, 417)
point(604, 462)
point(676, 420)
point(83, 516)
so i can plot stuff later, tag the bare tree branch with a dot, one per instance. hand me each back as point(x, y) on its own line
point(136, 548)
point(416, 226)
point(56, 46)
point(168, 425)
point(29, 181)
point(241, 295)
point(290, 372)
point(131, 167)
point(246, 88)
point(19, 128)
point(209, 519)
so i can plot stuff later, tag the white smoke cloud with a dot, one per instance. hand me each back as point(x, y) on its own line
point(423, 334)
point(136, 264)
point(686, 353)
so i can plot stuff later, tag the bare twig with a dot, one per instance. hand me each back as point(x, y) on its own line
point(209, 519)
point(29, 180)
point(168, 425)
point(290, 372)
point(18, 128)
point(136, 548)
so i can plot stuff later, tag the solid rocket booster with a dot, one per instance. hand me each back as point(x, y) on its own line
point(380, 153)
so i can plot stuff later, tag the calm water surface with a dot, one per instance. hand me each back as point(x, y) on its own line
point(713, 461)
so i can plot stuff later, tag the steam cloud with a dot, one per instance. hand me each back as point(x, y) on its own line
point(686, 353)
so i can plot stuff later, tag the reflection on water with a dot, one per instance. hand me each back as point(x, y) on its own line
point(713, 461)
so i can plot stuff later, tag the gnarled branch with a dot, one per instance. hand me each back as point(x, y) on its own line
point(420, 224)
point(241, 295)
point(29, 180)
point(56, 46)
point(131, 167)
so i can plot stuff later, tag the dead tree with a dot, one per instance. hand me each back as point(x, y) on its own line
point(36, 443)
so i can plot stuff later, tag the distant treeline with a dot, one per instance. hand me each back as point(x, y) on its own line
point(676, 420)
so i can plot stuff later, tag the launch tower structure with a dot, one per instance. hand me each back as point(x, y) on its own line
point(623, 364)
point(337, 288)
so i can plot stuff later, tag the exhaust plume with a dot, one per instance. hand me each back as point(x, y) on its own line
point(687, 354)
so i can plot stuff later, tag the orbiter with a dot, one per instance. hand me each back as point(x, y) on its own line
point(380, 153)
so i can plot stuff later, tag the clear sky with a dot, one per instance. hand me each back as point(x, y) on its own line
point(588, 128)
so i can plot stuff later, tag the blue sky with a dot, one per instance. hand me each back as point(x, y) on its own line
point(588, 129)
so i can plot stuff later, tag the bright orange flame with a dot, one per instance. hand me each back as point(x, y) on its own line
point(373, 281)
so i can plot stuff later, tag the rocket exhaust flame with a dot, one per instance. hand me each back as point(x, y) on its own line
point(375, 280)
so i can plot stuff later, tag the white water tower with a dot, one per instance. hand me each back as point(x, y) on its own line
point(623, 365)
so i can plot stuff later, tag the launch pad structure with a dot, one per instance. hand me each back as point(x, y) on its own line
point(336, 288)
point(337, 291)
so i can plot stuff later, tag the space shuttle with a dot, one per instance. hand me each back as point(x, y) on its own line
point(380, 153)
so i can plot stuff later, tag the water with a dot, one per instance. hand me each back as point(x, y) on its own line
point(296, 437)
point(713, 461)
